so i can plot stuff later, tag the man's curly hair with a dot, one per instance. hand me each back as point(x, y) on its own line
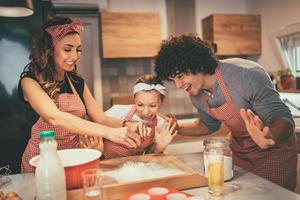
point(185, 54)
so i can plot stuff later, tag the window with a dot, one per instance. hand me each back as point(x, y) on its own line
point(288, 43)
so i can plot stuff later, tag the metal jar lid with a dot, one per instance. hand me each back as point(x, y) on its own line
point(217, 142)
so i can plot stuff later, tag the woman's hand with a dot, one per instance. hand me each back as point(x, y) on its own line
point(259, 133)
point(164, 136)
point(92, 142)
point(124, 136)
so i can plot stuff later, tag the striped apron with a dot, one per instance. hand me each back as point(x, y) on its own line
point(70, 103)
point(112, 150)
point(277, 164)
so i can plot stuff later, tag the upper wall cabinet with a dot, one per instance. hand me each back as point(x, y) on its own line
point(130, 35)
point(234, 34)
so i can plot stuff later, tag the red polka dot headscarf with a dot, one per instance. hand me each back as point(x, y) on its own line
point(59, 31)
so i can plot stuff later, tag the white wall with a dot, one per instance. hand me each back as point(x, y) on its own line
point(275, 14)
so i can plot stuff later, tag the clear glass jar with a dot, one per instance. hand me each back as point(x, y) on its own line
point(219, 144)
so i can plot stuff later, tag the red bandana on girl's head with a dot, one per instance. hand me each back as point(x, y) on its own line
point(59, 31)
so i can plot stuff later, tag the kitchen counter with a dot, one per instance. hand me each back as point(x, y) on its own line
point(244, 186)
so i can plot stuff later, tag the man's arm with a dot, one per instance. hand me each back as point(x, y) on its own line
point(267, 119)
point(281, 130)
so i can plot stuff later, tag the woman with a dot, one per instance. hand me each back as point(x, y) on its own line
point(239, 95)
point(57, 97)
point(148, 96)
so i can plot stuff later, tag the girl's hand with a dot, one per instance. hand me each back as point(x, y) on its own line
point(124, 136)
point(259, 133)
point(92, 142)
point(164, 136)
point(139, 128)
point(172, 119)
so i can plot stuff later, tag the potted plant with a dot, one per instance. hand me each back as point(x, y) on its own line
point(286, 78)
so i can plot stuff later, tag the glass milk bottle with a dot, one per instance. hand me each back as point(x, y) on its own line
point(223, 144)
point(49, 174)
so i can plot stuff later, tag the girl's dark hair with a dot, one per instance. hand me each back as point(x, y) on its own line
point(150, 79)
point(185, 54)
point(41, 58)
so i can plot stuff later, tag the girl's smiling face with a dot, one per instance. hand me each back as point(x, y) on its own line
point(148, 104)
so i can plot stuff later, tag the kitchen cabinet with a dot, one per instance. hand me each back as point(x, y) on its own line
point(234, 34)
point(130, 35)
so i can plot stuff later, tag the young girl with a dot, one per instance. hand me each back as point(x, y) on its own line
point(148, 94)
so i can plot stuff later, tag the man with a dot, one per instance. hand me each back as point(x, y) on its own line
point(240, 94)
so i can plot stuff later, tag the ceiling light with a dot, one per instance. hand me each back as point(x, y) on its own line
point(16, 8)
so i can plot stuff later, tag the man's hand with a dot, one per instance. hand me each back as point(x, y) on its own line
point(259, 133)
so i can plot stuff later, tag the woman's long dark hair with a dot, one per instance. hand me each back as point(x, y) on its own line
point(42, 61)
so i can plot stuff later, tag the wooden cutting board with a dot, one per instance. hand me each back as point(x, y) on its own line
point(113, 190)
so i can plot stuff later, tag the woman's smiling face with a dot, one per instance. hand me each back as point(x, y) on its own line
point(148, 104)
point(67, 52)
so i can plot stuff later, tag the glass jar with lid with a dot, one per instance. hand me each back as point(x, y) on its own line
point(221, 146)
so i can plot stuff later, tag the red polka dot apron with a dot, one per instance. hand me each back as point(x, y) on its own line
point(70, 103)
point(277, 164)
point(112, 150)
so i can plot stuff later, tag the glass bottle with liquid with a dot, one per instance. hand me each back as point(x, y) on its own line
point(217, 163)
point(49, 174)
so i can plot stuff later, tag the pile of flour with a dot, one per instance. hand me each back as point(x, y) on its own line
point(133, 171)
